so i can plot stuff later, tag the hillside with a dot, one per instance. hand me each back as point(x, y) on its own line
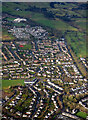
point(67, 18)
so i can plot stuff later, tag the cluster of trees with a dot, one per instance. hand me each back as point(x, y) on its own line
point(53, 3)
point(81, 7)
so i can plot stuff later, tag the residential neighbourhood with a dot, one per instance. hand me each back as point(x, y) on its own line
point(44, 64)
point(53, 85)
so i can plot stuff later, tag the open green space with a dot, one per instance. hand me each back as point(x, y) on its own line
point(56, 24)
point(13, 9)
point(27, 46)
point(10, 19)
point(6, 35)
point(40, 5)
point(7, 83)
point(77, 40)
point(81, 22)
point(38, 17)
point(69, 10)
point(78, 62)
point(82, 114)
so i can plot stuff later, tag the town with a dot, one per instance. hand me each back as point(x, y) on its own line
point(54, 87)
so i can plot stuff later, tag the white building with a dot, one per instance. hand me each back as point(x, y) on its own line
point(19, 20)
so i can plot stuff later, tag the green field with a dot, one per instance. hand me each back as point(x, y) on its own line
point(81, 23)
point(7, 83)
point(6, 35)
point(77, 41)
point(59, 10)
point(40, 5)
point(27, 46)
point(10, 19)
point(82, 114)
point(77, 23)
point(56, 24)
point(38, 17)
point(13, 6)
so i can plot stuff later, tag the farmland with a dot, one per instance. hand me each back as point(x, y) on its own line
point(56, 24)
point(77, 40)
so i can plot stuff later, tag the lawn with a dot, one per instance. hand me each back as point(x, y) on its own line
point(7, 83)
point(82, 114)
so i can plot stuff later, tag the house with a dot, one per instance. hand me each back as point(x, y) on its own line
point(18, 113)
point(24, 115)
